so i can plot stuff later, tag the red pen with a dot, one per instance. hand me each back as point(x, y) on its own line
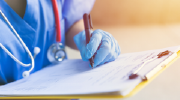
point(88, 26)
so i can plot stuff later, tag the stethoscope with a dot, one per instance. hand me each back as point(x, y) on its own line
point(56, 52)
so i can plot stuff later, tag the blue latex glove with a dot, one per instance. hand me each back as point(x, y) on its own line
point(102, 44)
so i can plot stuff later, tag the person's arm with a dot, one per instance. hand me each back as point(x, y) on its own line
point(74, 29)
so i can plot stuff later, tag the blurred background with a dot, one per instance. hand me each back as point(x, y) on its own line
point(135, 12)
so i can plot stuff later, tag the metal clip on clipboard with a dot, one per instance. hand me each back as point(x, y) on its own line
point(156, 69)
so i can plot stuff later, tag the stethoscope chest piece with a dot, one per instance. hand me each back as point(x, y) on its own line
point(56, 53)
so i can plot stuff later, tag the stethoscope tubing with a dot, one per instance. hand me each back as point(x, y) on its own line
point(57, 21)
point(58, 39)
point(24, 45)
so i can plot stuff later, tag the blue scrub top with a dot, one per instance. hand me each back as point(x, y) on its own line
point(37, 29)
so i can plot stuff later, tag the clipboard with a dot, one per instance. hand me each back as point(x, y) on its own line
point(133, 92)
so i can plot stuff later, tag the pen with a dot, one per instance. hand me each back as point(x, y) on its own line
point(88, 26)
point(134, 74)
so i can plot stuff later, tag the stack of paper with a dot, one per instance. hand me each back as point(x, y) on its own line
point(75, 77)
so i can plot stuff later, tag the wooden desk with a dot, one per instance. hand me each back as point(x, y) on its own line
point(133, 39)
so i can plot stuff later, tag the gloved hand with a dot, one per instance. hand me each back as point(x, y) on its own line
point(102, 45)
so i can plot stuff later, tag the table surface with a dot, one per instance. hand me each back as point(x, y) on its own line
point(140, 38)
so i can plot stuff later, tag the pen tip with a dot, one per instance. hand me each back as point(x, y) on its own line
point(92, 65)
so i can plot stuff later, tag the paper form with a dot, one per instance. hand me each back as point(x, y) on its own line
point(72, 77)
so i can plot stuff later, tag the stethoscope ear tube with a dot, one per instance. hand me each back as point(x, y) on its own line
point(24, 45)
point(14, 58)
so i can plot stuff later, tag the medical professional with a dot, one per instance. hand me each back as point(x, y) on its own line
point(37, 28)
